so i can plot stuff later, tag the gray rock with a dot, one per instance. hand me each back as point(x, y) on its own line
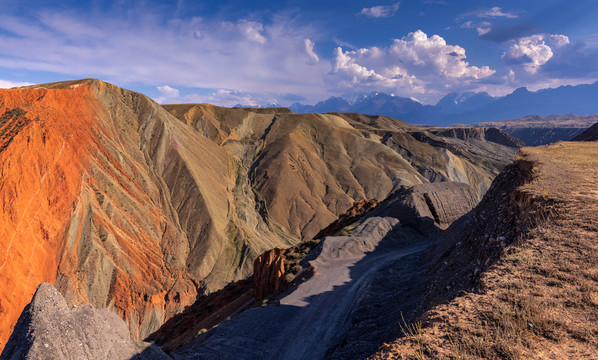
point(48, 329)
point(428, 206)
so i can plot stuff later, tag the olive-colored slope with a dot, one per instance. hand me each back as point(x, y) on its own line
point(307, 169)
point(116, 202)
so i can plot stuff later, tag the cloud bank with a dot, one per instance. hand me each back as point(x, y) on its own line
point(242, 55)
point(416, 63)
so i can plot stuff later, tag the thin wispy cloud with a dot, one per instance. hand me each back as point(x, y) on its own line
point(242, 55)
point(309, 49)
point(482, 27)
point(474, 20)
point(6, 84)
point(494, 12)
point(380, 11)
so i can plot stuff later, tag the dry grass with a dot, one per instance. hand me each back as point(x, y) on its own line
point(541, 298)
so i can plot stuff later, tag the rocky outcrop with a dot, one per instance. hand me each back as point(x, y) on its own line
point(48, 329)
point(268, 273)
point(590, 134)
point(427, 207)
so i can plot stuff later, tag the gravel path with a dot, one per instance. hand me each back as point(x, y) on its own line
point(312, 317)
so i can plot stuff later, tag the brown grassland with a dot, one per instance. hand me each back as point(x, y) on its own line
point(540, 300)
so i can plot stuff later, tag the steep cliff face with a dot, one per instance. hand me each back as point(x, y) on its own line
point(536, 130)
point(44, 154)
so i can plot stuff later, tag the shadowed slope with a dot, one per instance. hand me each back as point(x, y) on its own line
point(590, 134)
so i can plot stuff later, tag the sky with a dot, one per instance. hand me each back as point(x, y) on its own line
point(260, 52)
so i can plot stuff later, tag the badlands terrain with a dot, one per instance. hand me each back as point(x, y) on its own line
point(240, 233)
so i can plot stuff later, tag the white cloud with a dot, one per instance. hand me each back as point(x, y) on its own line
point(252, 31)
point(482, 27)
point(245, 55)
point(168, 94)
point(559, 41)
point(7, 84)
point(168, 91)
point(221, 97)
point(531, 52)
point(345, 62)
point(380, 11)
point(483, 30)
point(415, 63)
point(309, 49)
point(495, 12)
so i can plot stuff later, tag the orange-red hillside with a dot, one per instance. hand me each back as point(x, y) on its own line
point(46, 137)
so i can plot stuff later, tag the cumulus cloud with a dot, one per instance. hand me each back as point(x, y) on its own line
point(168, 94)
point(7, 84)
point(309, 49)
point(549, 60)
point(531, 52)
point(380, 11)
point(415, 63)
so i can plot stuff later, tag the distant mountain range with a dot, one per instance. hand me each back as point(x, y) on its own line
point(468, 107)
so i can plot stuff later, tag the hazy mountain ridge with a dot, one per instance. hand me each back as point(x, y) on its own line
point(468, 107)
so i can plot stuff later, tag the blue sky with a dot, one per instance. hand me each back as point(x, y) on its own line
point(258, 52)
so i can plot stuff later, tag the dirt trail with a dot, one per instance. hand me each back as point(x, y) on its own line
point(312, 317)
